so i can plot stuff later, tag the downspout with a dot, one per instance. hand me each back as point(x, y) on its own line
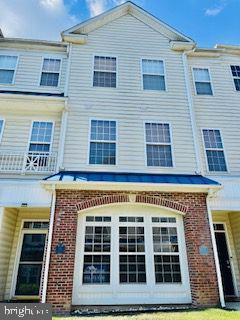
point(192, 112)
point(49, 244)
point(217, 264)
point(64, 119)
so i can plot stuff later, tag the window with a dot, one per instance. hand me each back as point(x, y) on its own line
point(132, 251)
point(105, 72)
point(97, 251)
point(1, 128)
point(103, 142)
point(41, 136)
point(7, 69)
point(236, 76)
point(214, 150)
point(158, 145)
point(153, 75)
point(50, 72)
point(166, 251)
point(202, 81)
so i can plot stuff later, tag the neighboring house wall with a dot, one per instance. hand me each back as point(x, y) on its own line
point(221, 110)
point(234, 218)
point(7, 230)
point(29, 214)
point(29, 67)
point(129, 40)
point(227, 219)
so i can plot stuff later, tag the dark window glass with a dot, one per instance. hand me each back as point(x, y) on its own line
point(28, 279)
point(33, 247)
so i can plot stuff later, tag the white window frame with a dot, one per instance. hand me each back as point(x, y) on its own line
point(164, 74)
point(108, 141)
point(22, 232)
point(106, 55)
point(30, 134)
point(157, 143)
point(234, 86)
point(194, 81)
point(15, 70)
point(41, 71)
point(3, 127)
point(107, 291)
point(216, 149)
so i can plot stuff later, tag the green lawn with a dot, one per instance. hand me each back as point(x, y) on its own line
point(209, 314)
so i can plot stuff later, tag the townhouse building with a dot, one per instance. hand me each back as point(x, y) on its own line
point(119, 163)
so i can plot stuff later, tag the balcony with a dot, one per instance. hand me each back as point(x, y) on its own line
point(28, 162)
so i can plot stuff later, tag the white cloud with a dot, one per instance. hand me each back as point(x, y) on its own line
point(215, 10)
point(36, 19)
point(96, 7)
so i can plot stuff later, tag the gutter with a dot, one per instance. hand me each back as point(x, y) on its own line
point(49, 244)
point(192, 112)
point(217, 264)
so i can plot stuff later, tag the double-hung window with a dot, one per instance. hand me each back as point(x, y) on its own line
point(7, 69)
point(105, 72)
point(50, 72)
point(102, 142)
point(166, 250)
point(158, 144)
point(153, 75)
point(236, 76)
point(214, 150)
point(41, 137)
point(202, 81)
point(1, 128)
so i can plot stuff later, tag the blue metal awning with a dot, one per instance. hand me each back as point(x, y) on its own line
point(89, 176)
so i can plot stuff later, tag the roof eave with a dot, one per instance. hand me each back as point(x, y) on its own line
point(129, 186)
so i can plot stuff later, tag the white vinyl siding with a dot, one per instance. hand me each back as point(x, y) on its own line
point(202, 81)
point(128, 104)
point(7, 68)
point(236, 76)
point(214, 150)
point(158, 144)
point(102, 142)
point(105, 72)
point(50, 72)
point(28, 70)
point(153, 76)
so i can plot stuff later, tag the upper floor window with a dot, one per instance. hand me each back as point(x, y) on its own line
point(7, 69)
point(102, 142)
point(105, 72)
point(153, 75)
point(41, 136)
point(1, 128)
point(202, 81)
point(50, 72)
point(236, 76)
point(158, 145)
point(214, 150)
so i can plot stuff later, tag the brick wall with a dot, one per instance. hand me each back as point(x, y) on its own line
point(197, 233)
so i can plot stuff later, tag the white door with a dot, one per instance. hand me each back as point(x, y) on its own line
point(130, 254)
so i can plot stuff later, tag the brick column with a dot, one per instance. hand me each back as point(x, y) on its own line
point(60, 279)
point(202, 270)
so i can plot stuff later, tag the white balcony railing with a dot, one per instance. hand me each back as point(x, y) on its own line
point(30, 162)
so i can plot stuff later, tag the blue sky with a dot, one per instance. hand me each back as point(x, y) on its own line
point(206, 21)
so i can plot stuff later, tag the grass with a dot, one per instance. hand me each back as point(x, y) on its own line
point(209, 314)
